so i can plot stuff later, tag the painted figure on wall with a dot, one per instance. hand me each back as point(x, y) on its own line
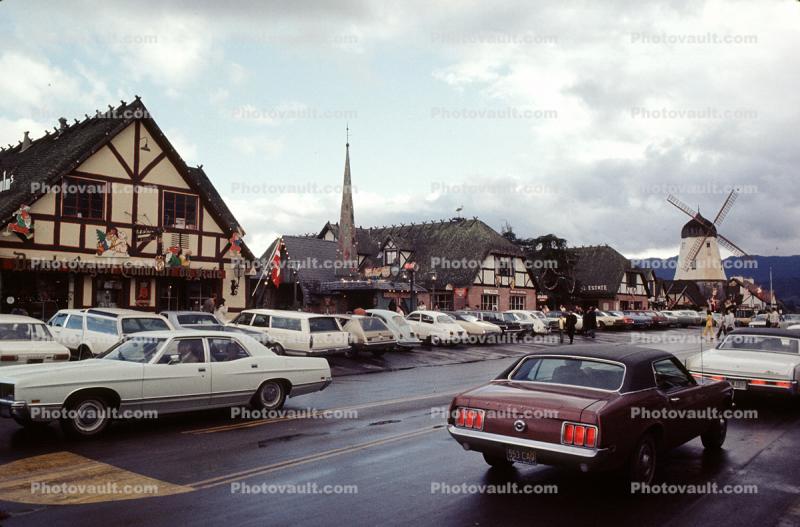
point(22, 224)
point(112, 242)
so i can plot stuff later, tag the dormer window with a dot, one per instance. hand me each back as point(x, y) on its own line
point(389, 256)
point(180, 211)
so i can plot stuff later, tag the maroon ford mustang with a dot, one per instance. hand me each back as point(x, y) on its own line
point(591, 407)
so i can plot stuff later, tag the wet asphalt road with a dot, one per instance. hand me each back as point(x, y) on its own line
point(387, 451)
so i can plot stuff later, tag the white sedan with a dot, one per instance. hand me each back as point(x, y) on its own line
point(763, 360)
point(436, 327)
point(160, 372)
point(25, 340)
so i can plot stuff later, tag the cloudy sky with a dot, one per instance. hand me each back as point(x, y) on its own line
point(571, 117)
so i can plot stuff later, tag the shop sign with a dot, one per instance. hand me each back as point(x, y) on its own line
point(491, 291)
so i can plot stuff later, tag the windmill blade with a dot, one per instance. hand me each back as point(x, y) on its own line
point(726, 207)
point(682, 206)
point(725, 242)
point(693, 252)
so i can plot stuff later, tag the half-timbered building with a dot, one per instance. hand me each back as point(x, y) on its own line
point(607, 280)
point(104, 212)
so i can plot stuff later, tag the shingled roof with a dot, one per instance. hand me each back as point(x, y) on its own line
point(684, 288)
point(47, 159)
point(453, 240)
point(600, 265)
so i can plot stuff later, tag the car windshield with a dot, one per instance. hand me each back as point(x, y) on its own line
point(469, 318)
point(136, 325)
point(198, 319)
point(522, 316)
point(24, 331)
point(400, 321)
point(765, 343)
point(372, 324)
point(510, 317)
point(136, 349)
point(445, 319)
point(586, 373)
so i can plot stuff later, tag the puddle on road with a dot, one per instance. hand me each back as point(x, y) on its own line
point(282, 439)
point(386, 422)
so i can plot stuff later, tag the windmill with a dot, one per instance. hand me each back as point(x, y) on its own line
point(699, 257)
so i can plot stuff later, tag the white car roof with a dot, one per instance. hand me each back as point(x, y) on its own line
point(199, 333)
point(428, 312)
point(18, 319)
point(285, 313)
point(121, 312)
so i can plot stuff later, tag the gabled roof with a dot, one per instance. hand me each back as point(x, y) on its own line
point(601, 265)
point(686, 288)
point(455, 240)
point(54, 155)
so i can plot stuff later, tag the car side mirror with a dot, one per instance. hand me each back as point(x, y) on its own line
point(174, 359)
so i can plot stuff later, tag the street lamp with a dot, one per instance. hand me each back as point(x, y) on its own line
point(411, 269)
point(433, 289)
point(237, 272)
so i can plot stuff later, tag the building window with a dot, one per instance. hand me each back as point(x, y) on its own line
point(180, 210)
point(83, 198)
point(389, 256)
point(504, 267)
point(517, 302)
point(443, 301)
point(489, 302)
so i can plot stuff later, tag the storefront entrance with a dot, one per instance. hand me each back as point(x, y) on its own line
point(38, 294)
point(181, 294)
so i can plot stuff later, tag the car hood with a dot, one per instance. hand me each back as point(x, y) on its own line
point(508, 395)
point(747, 363)
point(49, 374)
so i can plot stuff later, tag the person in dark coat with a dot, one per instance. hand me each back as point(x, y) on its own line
point(590, 322)
point(572, 321)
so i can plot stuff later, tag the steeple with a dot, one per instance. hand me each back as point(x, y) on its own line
point(346, 240)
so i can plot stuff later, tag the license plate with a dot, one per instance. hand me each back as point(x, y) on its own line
point(35, 361)
point(525, 456)
point(739, 384)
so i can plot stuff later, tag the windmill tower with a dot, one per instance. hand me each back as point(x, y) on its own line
point(699, 259)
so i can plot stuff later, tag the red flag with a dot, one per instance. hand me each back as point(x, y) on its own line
point(275, 273)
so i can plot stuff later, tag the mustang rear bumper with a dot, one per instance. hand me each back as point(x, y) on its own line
point(546, 453)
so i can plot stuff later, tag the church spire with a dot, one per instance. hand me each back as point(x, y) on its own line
point(347, 230)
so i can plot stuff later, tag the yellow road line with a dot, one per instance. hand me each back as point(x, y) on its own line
point(252, 424)
point(64, 478)
point(266, 469)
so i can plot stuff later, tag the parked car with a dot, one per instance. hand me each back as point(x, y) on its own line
point(368, 334)
point(789, 319)
point(672, 321)
point(508, 326)
point(578, 409)
point(91, 332)
point(296, 332)
point(656, 320)
point(534, 324)
point(403, 334)
point(436, 327)
point(640, 321)
point(165, 371)
point(26, 340)
point(684, 319)
point(606, 320)
point(477, 330)
point(192, 319)
point(758, 321)
point(753, 359)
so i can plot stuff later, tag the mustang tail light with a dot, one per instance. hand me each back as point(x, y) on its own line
point(579, 434)
point(470, 418)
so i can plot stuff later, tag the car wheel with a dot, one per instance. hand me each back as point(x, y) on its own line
point(435, 341)
point(270, 396)
point(277, 349)
point(498, 462)
point(351, 353)
point(714, 437)
point(378, 353)
point(642, 466)
point(87, 416)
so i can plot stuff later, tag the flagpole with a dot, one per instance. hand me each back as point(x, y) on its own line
point(266, 266)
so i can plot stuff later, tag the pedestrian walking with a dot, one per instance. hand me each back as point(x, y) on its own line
point(221, 312)
point(562, 326)
point(708, 329)
point(572, 321)
point(590, 323)
point(774, 319)
point(421, 306)
point(210, 304)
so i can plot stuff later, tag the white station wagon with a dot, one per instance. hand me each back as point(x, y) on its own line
point(758, 360)
point(165, 372)
point(436, 327)
point(26, 340)
point(296, 331)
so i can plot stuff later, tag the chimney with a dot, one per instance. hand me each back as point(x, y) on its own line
point(26, 143)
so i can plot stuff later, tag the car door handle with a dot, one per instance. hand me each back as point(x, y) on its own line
point(674, 399)
point(201, 369)
point(254, 365)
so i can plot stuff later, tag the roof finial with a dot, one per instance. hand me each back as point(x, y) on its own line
point(347, 134)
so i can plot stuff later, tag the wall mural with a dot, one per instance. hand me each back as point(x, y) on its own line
point(22, 224)
point(112, 242)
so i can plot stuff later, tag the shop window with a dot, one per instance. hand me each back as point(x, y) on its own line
point(108, 293)
point(443, 301)
point(517, 302)
point(489, 302)
point(180, 210)
point(83, 198)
